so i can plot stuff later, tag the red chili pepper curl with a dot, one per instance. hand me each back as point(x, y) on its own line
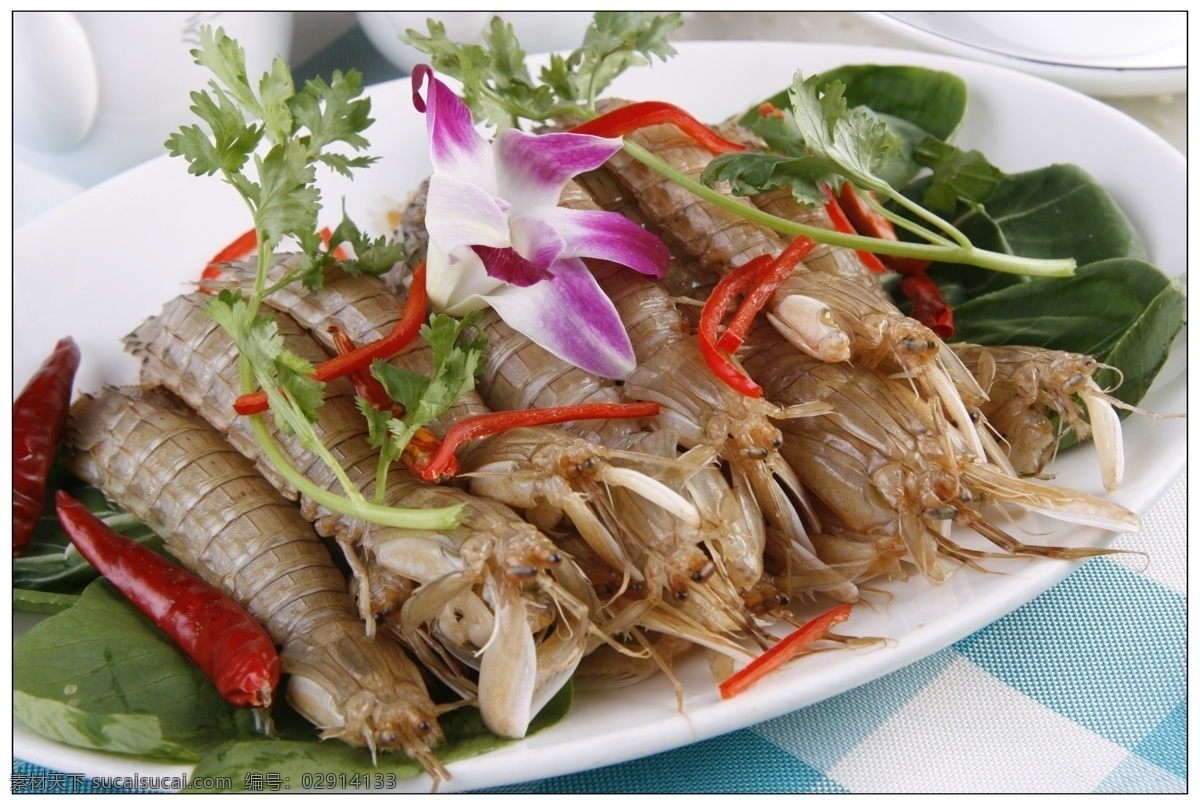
point(784, 650)
point(730, 286)
point(444, 465)
point(766, 282)
point(401, 335)
point(232, 648)
point(628, 119)
point(39, 419)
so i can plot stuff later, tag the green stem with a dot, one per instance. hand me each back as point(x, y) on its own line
point(967, 255)
point(905, 223)
point(932, 217)
point(418, 519)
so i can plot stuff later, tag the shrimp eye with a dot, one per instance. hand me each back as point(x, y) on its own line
point(681, 596)
point(554, 558)
point(604, 590)
point(387, 738)
point(783, 600)
point(825, 317)
point(424, 728)
point(589, 463)
point(576, 470)
point(777, 442)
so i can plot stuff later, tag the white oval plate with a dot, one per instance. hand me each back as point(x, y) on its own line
point(95, 267)
point(1107, 53)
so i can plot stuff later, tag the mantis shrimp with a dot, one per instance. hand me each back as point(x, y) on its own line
point(174, 471)
point(184, 350)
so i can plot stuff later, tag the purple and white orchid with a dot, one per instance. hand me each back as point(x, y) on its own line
point(498, 238)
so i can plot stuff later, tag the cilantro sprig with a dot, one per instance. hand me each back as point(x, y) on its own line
point(458, 359)
point(499, 89)
point(832, 143)
point(321, 124)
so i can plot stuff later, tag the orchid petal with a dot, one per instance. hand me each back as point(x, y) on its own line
point(538, 240)
point(604, 236)
point(458, 286)
point(570, 317)
point(532, 170)
point(459, 213)
point(455, 147)
point(509, 266)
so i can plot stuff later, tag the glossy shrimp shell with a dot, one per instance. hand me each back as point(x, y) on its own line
point(500, 543)
point(225, 522)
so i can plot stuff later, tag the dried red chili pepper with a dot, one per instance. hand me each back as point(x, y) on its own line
point(443, 465)
point(402, 333)
point(628, 119)
point(39, 418)
point(231, 647)
point(765, 283)
point(732, 284)
point(784, 650)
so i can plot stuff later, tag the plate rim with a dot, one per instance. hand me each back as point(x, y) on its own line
point(1048, 579)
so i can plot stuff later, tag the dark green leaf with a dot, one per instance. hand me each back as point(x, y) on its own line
point(466, 736)
point(101, 676)
point(932, 100)
point(957, 175)
point(1061, 211)
point(402, 385)
point(1124, 311)
point(43, 602)
point(751, 173)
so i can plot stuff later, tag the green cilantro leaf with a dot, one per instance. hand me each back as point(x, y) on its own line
point(957, 174)
point(854, 140)
point(496, 83)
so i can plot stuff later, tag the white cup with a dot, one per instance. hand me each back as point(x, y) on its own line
point(95, 93)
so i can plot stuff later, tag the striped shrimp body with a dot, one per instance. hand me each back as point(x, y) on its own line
point(1025, 385)
point(175, 472)
point(825, 315)
point(186, 352)
point(698, 409)
point(880, 335)
point(879, 464)
point(552, 472)
point(719, 239)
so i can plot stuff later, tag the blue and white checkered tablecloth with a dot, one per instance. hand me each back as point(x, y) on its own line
point(1082, 689)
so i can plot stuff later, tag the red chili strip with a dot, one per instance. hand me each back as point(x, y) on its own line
point(842, 224)
point(365, 383)
point(929, 305)
point(231, 647)
point(732, 284)
point(443, 464)
point(770, 110)
point(629, 119)
point(402, 333)
point(423, 444)
point(784, 650)
point(769, 279)
point(866, 221)
point(39, 418)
